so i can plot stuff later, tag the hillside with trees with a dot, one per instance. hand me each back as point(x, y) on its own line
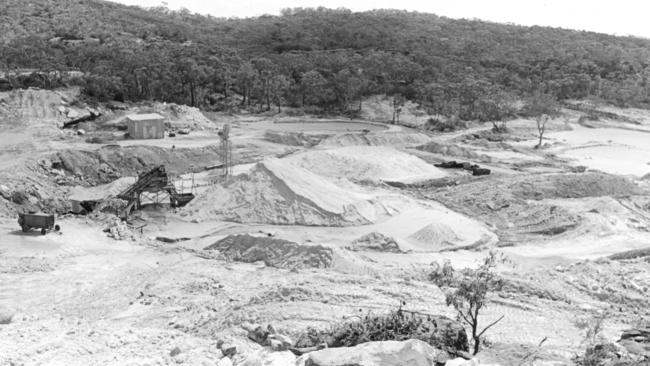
point(320, 59)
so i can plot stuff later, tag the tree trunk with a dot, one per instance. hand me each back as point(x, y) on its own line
point(192, 96)
point(477, 340)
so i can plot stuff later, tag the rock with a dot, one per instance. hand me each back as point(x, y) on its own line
point(224, 362)
point(637, 340)
point(174, 352)
point(6, 316)
point(387, 353)
point(264, 357)
point(229, 349)
point(5, 192)
point(19, 196)
point(81, 132)
point(375, 241)
point(279, 342)
point(462, 362)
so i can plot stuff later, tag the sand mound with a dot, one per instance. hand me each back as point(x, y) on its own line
point(273, 252)
point(278, 192)
point(436, 235)
point(369, 163)
point(383, 138)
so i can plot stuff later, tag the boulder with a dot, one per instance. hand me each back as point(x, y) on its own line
point(6, 316)
point(224, 362)
point(265, 357)
point(637, 340)
point(228, 349)
point(386, 353)
point(462, 362)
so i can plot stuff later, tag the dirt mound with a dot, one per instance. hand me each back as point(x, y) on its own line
point(452, 150)
point(273, 252)
point(367, 163)
point(506, 202)
point(383, 138)
point(278, 192)
point(592, 184)
point(375, 242)
point(293, 138)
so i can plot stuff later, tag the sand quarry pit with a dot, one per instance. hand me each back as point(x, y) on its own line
point(306, 232)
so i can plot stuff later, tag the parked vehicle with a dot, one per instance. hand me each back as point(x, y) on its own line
point(43, 221)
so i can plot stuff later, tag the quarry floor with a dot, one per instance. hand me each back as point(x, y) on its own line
point(79, 297)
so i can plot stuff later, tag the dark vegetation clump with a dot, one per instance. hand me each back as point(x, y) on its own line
point(398, 325)
point(444, 125)
point(607, 354)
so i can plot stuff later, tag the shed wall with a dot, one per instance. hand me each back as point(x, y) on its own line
point(146, 129)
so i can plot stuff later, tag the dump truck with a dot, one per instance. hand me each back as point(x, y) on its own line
point(39, 220)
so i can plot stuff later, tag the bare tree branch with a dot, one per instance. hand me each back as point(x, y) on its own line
point(491, 325)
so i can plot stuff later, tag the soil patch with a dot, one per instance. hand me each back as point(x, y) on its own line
point(273, 252)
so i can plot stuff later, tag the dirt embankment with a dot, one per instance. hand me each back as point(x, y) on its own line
point(43, 184)
point(111, 162)
point(294, 138)
point(513, 204)
point(382, 138)
point(453, 151)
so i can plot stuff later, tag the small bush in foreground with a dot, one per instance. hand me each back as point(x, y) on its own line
point(398, 325)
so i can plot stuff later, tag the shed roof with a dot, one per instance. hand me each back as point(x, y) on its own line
point(144, 117)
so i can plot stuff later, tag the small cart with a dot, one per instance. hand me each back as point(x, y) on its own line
point(41, 221)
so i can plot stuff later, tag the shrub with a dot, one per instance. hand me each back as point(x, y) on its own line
point(398, 325)
point(467, 291)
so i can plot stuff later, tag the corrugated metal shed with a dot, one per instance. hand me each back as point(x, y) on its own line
point(146, 126)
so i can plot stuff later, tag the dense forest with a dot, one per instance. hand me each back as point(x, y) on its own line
point(318, 59)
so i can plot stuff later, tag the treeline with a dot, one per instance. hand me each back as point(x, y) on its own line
point(319, 59)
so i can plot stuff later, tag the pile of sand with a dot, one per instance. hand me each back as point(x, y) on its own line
point(367, 163)
point(273, 252)
point(279, 192)
point(383, 138)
